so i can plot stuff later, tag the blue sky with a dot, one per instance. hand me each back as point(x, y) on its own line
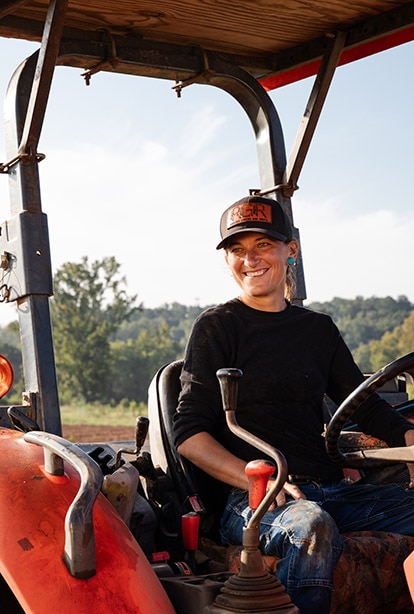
point(132, 171)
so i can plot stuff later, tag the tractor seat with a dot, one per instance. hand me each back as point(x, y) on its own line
point(195, 489)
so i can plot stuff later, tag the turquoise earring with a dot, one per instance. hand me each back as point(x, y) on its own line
point(290, 260)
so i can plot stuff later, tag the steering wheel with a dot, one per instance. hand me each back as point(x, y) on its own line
point(345, 411)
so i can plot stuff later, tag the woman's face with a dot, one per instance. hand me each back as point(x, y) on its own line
point(258, 265)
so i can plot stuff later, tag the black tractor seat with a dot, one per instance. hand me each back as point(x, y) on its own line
point(193, 489)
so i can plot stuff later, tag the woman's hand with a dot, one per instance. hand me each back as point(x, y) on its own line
point(288, 489)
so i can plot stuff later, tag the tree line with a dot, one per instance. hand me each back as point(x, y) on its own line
point(108, 347)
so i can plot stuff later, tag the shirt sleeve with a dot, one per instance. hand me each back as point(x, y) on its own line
point(200, 406)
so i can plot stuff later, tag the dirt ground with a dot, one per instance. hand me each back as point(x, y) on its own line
point(80, 433)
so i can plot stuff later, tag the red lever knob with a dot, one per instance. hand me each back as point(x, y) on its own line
point(258, 473)
point(190, 523)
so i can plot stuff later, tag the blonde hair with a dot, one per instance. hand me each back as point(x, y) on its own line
point(290, 285)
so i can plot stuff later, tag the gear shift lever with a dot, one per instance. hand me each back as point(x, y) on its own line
point(228, 379)
point(253, 589)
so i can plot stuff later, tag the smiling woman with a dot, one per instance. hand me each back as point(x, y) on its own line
point(290, 358)
point(258, 265)
point(259, 249)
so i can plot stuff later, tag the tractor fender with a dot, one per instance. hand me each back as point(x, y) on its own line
point(33, 507)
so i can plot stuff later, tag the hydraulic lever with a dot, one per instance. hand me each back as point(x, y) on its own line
point(190, 524)
point(228, 379)
point(141, 431)
point(253, 589)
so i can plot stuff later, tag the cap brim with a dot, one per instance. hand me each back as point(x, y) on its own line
point(275, 235)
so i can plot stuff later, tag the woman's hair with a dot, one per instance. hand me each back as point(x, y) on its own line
point(290, 285)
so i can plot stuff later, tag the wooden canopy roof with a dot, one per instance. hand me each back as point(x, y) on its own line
point(277, 41)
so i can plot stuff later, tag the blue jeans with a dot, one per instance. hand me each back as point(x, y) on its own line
point(305, 534)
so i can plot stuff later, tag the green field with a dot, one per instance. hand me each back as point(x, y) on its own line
point(99, 414)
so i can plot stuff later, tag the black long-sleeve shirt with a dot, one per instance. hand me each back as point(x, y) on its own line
point(289, 359)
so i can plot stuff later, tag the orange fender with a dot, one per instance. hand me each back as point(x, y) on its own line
point(409, 573)
point(33, 506)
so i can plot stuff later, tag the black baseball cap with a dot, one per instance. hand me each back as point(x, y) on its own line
point(255, 214)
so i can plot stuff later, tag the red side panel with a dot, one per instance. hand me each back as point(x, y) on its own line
point(33, 505)
point(409, 573)
point(350, 54)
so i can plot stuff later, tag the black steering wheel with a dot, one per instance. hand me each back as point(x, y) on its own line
point(405, 364)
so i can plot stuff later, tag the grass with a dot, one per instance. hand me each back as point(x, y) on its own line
point(98, 414)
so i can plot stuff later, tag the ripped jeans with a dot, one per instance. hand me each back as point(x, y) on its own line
point(305, 534)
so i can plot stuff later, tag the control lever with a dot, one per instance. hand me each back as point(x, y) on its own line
point(141, 431)
point(253, 589)
point(190, 524)
point(228, 379)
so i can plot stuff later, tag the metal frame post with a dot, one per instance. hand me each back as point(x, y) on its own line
point(25, 238)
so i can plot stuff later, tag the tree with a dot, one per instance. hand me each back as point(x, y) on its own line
point(135, 362)
point(179, 318)
point(405, 334)
point(383, 351)
point(89, 305)
point(393, 344)
point(362, 320)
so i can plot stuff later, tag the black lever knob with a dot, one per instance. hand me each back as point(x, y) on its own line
point(141, 431)
point(229, 380)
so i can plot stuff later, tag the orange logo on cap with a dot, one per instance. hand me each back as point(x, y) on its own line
point(249, 212)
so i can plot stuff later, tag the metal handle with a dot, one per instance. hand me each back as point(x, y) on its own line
point(141, 432)
point(79, 554)
point(228, 379)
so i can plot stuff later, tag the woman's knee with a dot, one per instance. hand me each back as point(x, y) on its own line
point(303, 524)
point(309, 516)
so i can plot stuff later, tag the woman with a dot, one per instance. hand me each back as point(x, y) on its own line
point(290, 357)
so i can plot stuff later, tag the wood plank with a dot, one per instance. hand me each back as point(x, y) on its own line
point(10, 6)
point(245, 27)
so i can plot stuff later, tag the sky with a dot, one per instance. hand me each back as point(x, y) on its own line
point(133, 172)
